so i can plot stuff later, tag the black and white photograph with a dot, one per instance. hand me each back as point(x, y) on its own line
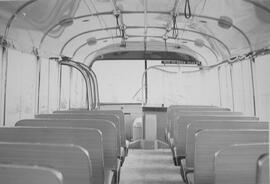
point(134, 91)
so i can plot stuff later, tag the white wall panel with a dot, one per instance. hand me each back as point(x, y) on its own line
point(54, 86)
point(78, 90)
point(248, 108)
point(20, 87)
point(65, 88)
point(263, 87)
point(44, 86)
point(225, 84)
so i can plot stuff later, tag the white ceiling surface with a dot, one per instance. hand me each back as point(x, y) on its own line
point(252, 17)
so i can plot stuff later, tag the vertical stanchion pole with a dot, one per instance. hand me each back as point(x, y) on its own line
point(48, 90)
point(252, 66)
point(3, 99)
point(70, 86)
point(232, 86)
point(146, 82)
point(219, 86)
point(38, 78)
point(59, 85)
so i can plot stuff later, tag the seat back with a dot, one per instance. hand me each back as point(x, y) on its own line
point(173, 113)
point(107, 128)
point(18, 174)
point(237, 163)
point(189, 105)
point(208, 142)
point(201, 113)
point(117, 113)
point(90, 139)
point(181, 125)
point(114, 119)
point(196, 126)
point(71, 160)
point(262, 173)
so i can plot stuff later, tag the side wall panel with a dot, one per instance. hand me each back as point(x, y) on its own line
point(20, 87)
point(263, 87)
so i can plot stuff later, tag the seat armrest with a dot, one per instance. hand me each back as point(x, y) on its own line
point(183, 163)
point(183, 169)
point(122, 155)
point(118, 165)
point(172, 142)
point(174, 156)
point(122, 152)
point(127, 144)
point(177, 158)
point(190, 178)
point(118, 171)
point(168, 135)
point(109, 177)
point(126, 147)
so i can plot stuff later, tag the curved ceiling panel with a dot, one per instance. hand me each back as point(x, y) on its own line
point(216, 29)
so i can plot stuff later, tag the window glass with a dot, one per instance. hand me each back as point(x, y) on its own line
point(177, 84)
point(119, 80)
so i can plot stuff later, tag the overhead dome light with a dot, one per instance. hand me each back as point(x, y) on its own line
point(91, 41)
point(199, 43)
point(225, 22)
point(66, 22)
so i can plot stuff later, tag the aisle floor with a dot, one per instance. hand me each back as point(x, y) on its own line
point(150, 167)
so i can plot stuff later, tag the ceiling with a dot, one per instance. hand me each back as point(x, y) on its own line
point(212, 30)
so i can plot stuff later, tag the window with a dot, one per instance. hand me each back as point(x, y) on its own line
point(119, 80)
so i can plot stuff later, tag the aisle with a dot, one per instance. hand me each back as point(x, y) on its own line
point(150, 167)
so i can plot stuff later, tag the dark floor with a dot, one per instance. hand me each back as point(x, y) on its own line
point(150, 167)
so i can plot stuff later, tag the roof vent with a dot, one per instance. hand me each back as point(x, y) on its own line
point(91, 41)
point(225, 22)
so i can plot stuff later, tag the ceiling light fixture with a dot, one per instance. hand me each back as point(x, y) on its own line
point(91, 41)
point(199, 43)
point(225, 22)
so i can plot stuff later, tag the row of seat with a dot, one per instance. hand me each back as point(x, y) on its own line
point(70, 146)
point(213, 145)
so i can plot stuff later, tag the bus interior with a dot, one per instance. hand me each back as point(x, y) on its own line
point(134, 91)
